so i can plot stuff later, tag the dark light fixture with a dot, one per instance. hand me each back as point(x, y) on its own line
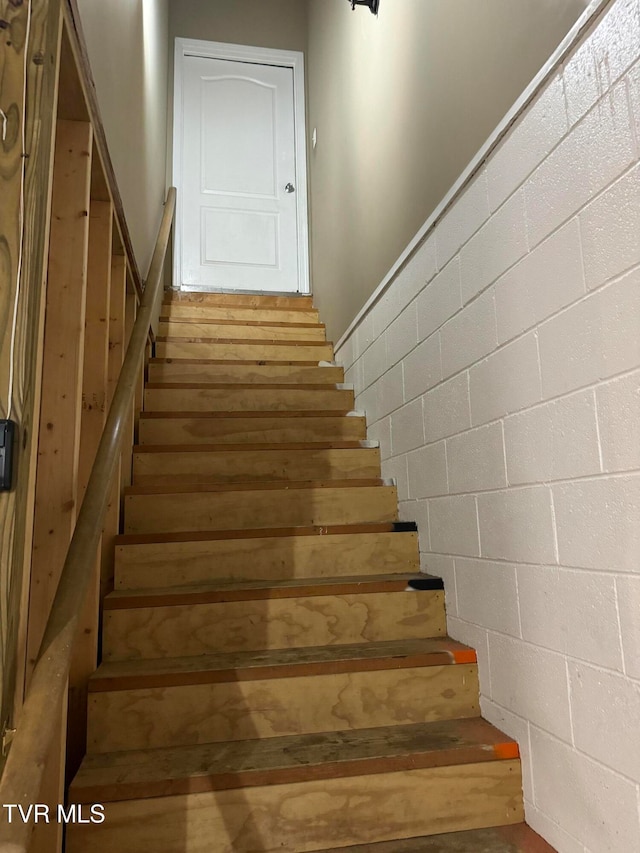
point(373, 5)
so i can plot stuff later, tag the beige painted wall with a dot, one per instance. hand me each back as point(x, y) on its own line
point(278, 24)
point(401, 103)
point(128, 49)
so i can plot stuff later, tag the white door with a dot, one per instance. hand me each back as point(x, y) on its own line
point(239, 213)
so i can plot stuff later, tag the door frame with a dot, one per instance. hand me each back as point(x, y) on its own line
point(261, 56)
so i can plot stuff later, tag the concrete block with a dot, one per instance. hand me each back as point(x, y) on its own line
point(453, 523)
point(544, 281)
point(420, 509)
point(633, 82)
point(572, 612)
point(476, 460)
point(446, 409)
point(375, 361)
point(592, 340)
point(470, 335)
point(390, 391)
point(364, 335)
point(439, 300)
point(505, 382)
point(610, 227)
point(610, 50)
point(422, 368)
point(598, 149)
point(598, 523)
point(629, 607)
point(428, 471)
point(528, 143)
point(517, 524)
point(554, 441)
point(407, 430)
point(605, 708)
point(367, 402)
point(550, 831)
point(530, 682)
point(488, 595)
point(402, 335)
point(499, 244)
point(618, 404)
point(463, 220)
point(592, 803)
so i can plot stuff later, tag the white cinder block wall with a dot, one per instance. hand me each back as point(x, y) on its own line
point(501, 373)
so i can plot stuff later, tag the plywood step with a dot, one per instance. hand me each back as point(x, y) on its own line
point(246, 695)
point(208, 507)
point(202, 464)
point(185, 370)
point(242, 428)
point(145, 562)
point(200, 311)
point(518, 838)
point(302, 817)
point(282, 760)
point(192, 621)
point(293, 302)
point(249, 398)
point(231, 330)
point(241, 350)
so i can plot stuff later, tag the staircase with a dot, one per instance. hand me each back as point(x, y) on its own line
point(269, 679)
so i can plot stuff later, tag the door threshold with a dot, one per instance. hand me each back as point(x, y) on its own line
point(195, 288)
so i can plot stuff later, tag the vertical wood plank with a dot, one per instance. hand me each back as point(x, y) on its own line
point(17, 507)
point(94, 405)
point(117, 299)
point(127, 441)
point(56, 492)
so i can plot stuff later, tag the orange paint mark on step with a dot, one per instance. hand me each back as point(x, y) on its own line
point(506, 751)
point(465, 656)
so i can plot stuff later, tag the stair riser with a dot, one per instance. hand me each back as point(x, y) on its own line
point(241, 300)
point(181, 563)
point(252, 315)
point(302, 817)
point(194, 329)
point(241, 710)
point(244, 352)
point(177, 371)
point(250, 430)
point(236, 510)
point(233, 466)
point(189, 630)
point(246, 400)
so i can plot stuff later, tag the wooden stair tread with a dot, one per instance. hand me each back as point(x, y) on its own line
point(279, 663)
point(251, 342)
point(213, 321)
point(518, 838)
point(265, 447)
point(266, 414)
point(293, 758)
point(277, 588)
point(242, 300)
point(242, 361)
point(265, 532)
point(255, 485)
point(246, 386)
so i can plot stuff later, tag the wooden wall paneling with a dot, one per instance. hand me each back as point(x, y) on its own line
point(94, 406)
point(17, 506)
point(117, 297)
point(56, 494)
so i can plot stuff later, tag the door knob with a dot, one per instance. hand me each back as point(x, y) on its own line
point(289, 188)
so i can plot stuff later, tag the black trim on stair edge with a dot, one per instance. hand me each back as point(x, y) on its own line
point(405, 527)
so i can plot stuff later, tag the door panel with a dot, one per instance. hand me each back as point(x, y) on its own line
point(239, 224)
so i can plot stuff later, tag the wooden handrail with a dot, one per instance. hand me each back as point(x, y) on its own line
point(23, 772)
